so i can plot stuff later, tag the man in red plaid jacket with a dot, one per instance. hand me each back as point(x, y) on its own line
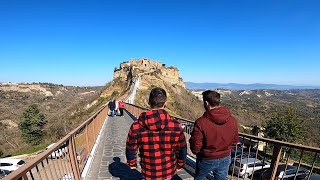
point(159, 138)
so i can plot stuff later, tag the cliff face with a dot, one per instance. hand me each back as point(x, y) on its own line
point(156, 74)
point(143, 66)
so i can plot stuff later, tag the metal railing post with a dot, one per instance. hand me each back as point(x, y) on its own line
point(25, 177)
point(276, 155)
point(96, 126)
point(73, 159)
point(94, 129)
point(87, 138)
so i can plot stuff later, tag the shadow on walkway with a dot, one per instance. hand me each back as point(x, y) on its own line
point(176, 177)
point(123, 171)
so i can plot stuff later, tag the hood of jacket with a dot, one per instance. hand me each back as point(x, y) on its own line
point(219, 115)
point(154, 120)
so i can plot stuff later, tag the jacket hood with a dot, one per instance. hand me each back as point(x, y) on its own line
point(154, 120)
point(219, 115)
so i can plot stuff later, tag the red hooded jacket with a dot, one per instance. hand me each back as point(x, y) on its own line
point(121, 104)
point(214, 133)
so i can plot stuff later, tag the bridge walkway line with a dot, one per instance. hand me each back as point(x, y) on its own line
point(109, 159)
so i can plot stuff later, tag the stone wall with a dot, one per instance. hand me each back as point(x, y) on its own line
point(171, 73)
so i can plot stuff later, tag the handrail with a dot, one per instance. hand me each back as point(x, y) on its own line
point(24, 169)
point(271, 148)
point(283, 143)
point(137, 106)
point(68, 161)
point(187, 120)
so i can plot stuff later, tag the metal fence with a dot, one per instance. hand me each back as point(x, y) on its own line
point(261, 158)
point(66, 159)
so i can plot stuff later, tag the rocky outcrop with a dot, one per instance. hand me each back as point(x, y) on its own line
point(44, 89)
point(9, 123)
point(25, 87)
point(143, 66)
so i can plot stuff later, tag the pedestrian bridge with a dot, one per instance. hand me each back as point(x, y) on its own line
point(109, 159)
point(96, 150)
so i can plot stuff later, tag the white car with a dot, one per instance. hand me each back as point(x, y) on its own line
point(247, 166)
point(287, 172)
point(11, 164)
point(56, 154)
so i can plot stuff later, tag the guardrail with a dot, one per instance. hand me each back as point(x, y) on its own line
point(67, 158)
point(266, 151)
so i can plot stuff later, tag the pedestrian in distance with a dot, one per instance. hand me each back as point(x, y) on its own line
point(121, 106)
point(112, 107)
point(212, 138)
point(160, 140)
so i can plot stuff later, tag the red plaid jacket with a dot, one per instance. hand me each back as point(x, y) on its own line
point(161, 143)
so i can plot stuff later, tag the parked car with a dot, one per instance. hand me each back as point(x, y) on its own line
point(288, 174)
point(58, 153)
point(10, 164)
point(245, 155)
point(247, 166)
point(315, 177)
point(2, 173)
point(236, 152)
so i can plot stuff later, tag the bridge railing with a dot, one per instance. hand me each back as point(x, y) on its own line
point(66, 159)
point(271, 153)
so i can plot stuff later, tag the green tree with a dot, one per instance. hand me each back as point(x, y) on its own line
point(284, 126)
point(31, 125)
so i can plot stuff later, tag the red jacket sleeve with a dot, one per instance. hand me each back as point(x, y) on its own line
point(131, 147)
point(182, 150)
point(196, 139)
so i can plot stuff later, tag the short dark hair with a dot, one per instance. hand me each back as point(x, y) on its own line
point(212, 97)
point(157, 98)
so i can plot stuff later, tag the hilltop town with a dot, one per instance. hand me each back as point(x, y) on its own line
point(134, 68)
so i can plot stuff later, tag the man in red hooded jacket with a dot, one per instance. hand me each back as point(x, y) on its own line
point(212, 138)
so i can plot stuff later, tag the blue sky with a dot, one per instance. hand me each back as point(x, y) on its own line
point(80, 42)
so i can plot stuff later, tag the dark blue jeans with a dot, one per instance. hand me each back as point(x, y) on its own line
point(219, 168)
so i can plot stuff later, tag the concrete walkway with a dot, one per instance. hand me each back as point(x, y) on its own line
point(109, 160)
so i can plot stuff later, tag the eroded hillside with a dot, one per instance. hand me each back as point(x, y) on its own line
point(64, 108)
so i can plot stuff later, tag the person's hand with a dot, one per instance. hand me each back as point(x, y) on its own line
point(133, 167)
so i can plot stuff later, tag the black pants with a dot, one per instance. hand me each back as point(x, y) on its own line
point(121, 111)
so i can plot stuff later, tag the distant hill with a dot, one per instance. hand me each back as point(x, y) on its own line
point(236, 86)
point(64, 107)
